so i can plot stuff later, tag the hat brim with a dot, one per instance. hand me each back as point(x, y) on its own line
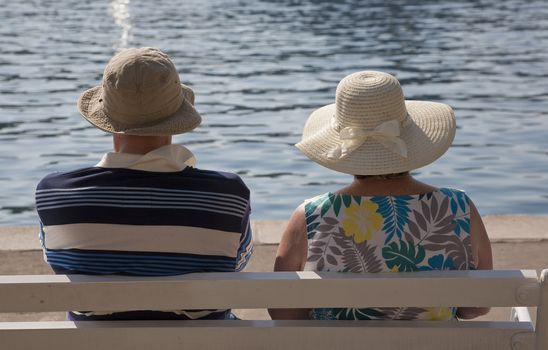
point(185, 119)
point(427, 133)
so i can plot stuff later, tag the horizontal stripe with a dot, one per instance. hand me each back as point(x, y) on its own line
point(139, 255)
point(60, 257)
point(148, 201)
point(131, 272)
point(144, 238)
point(136, 194)
point(140, 206)
point(142, 261)
point(139, 199)
point(119, 268)
point(142, 216)
point(149, 189)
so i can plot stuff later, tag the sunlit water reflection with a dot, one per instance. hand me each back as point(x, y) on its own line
point(119, 10)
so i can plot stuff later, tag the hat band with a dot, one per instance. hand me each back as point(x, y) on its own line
point(387, 134)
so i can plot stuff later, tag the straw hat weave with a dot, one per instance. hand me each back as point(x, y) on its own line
point(372, 130)
point(141, 94)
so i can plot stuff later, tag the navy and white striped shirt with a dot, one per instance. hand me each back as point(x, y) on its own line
point(117, 218)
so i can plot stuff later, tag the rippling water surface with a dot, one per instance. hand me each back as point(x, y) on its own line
point(260, 67)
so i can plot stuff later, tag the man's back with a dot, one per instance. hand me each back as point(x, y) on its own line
point(119, 220)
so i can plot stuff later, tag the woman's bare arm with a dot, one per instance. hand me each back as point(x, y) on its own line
point(481, 249)
point(291, 256)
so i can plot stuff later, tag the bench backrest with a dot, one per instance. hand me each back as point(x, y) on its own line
point(248, 290)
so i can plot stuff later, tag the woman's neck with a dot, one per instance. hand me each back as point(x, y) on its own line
point(386, 185)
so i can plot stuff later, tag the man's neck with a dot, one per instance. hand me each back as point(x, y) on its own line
point(134, 144)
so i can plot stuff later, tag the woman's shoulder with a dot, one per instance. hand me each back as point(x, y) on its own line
point(450, 191)
point(457, 197)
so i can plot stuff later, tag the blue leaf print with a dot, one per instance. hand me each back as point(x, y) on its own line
point(395, 212)
point(438, 262)
point(462, 225)
point(447, 192)
point(461, 200)
point(458, 199)
point(457, 229)
point(449, 264)
point(454, 206)
point(466, 225)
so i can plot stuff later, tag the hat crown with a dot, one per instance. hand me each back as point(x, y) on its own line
point(141, 86)
point(367, 99)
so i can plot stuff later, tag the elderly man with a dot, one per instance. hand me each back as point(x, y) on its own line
point(144, 209)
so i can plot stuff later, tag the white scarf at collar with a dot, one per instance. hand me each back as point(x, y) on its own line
point(168, 158)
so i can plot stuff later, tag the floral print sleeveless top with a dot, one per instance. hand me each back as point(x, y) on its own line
point(421, 232)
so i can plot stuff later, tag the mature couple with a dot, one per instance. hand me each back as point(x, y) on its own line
point(145, 209)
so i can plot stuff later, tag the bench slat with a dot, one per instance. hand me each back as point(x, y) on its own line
point(248, 290)
point(303, 335)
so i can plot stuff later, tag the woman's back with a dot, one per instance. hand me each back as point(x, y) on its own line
point(384, 220)
point(399, 233)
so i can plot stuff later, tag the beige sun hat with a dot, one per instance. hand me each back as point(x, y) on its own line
point(372, 130)
point(142, 95)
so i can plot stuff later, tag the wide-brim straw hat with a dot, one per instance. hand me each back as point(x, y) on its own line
point(141, 94)
point(372, 130)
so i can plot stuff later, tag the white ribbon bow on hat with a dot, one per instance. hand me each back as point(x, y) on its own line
point(386, 134)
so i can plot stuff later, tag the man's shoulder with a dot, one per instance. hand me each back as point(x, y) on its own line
point(64, 179)
point(189, 178)
point(216, 174)
point(220, 178)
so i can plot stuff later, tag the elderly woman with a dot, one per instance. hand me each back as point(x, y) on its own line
point(384, 220)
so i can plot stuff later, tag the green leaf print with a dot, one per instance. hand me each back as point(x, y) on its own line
point(405, 258)
point(347, 200)
point(337, 205)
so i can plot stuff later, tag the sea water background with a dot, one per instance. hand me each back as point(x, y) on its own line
point(260, 67)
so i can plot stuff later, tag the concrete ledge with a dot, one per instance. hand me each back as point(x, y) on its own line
point(516, 228)
point(501, 229)
point(16, 238)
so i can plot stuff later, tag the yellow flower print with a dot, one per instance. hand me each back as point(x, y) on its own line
point(361, 221)
point(439, 313)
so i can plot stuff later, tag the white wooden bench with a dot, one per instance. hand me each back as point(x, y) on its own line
point(275, 290)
